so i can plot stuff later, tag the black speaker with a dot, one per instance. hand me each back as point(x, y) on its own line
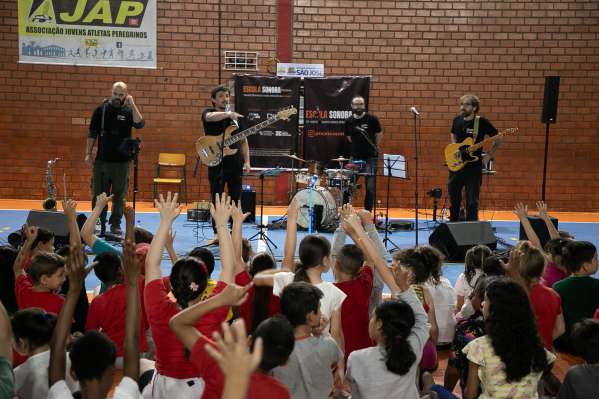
point(454, 239)
point(55, 222)
point(550, 99)
point(248, 204)
point(539, 227)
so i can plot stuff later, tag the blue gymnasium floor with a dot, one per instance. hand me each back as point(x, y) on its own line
point(190, 235)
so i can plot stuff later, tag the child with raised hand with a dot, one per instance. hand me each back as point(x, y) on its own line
point(579, 292)
point(107, 310)
point(473, 269)
point(275, 333)
point(399, 328)
point(46, 275)
point(424, 264)
point(499, 364)
point(307, 374)
point(355, 276)
point(314, 260)
point(529, 263)
point(175, 376)
point(32, 329)
point(582, 381)
point(93, 355)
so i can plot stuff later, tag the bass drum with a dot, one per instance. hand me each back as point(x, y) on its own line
point(320, 196)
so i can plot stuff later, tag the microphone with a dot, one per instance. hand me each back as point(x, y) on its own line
point(414, 111)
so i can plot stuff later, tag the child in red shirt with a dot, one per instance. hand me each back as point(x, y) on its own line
point(175, 376)
point(46, 275)
point(107, 310)
point(529, 265)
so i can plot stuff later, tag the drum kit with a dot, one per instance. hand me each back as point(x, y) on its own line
point(330, 188)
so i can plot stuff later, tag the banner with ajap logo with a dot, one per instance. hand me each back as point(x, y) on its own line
point(111, 33)
point(327, 104)
point(258, 98)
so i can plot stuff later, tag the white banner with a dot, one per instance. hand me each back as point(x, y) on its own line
point(111, 33)
point(300, 70)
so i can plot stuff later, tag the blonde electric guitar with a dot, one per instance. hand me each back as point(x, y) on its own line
point(209, 147)
point(457, 155)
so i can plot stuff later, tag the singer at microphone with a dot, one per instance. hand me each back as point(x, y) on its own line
point(364, 132)
point(229, 171)
point(111, 125)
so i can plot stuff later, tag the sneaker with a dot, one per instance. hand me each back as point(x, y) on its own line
point(116, 230)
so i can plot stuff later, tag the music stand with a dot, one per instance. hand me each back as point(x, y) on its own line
point(394, 166)
point(261, 235)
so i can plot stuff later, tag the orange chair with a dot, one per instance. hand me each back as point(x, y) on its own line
point(176, 164)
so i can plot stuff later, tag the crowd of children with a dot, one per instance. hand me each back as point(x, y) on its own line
point(185, 335)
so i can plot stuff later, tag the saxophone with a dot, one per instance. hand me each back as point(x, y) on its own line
point(49, 203)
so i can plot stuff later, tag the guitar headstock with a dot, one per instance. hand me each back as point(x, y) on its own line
point(508, 131)
point(286, 113)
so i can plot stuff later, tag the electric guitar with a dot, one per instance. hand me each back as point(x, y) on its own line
point(210, 148)
point(457, 155)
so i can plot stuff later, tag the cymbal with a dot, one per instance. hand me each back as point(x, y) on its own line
point(295, 157)
point(340, 159)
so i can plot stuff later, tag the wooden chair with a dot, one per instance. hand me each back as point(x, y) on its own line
point(174, 163)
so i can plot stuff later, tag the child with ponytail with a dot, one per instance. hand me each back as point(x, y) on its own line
point(399, 327)
point(175, 376)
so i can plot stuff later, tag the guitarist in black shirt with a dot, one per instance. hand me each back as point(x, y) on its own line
point(469, 124)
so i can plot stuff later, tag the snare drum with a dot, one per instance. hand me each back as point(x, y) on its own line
point(339, 178)
point(320, 196)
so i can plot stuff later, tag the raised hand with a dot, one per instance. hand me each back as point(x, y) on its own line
point(402, 276)
point(221, 209)
point(365, 217)
point(75, 267)
point(30, 233)
point(69, 208)
point(169, 208)
point(172, 234)
point(102, 200)
point(293, 210)
point(521, 210)
point(130, 263)
point(235, 295)
point(542, 208)
point(233, 355)
point(237, 213)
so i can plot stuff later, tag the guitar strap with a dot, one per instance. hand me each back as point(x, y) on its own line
point(476, 124)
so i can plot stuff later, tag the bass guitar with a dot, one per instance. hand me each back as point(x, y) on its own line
point(457, 155)
point(211, 150)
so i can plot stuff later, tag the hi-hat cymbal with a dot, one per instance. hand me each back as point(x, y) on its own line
point(293, 156)
point(340, 159)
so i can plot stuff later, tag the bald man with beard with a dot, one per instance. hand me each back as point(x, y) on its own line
point(111, 125)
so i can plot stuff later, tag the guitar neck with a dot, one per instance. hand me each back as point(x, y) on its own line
point(252, 130)
point(476, 146)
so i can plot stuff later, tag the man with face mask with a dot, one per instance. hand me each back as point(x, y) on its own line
point(470, 177)
point(111, 125)
point(364, 132)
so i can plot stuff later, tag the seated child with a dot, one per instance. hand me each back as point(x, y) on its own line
point(32, 331)
point(582, 381)
point(308, 373)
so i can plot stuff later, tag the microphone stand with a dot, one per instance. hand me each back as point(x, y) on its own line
point(415, 114)
point(261, 235)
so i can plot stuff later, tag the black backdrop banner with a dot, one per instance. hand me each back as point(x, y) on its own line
point(259, 97)
point(327, 104)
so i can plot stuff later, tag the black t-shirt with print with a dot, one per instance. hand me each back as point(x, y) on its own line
point(356, 129)
point(463, 129)
point(231, 162)
point(117, 129)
